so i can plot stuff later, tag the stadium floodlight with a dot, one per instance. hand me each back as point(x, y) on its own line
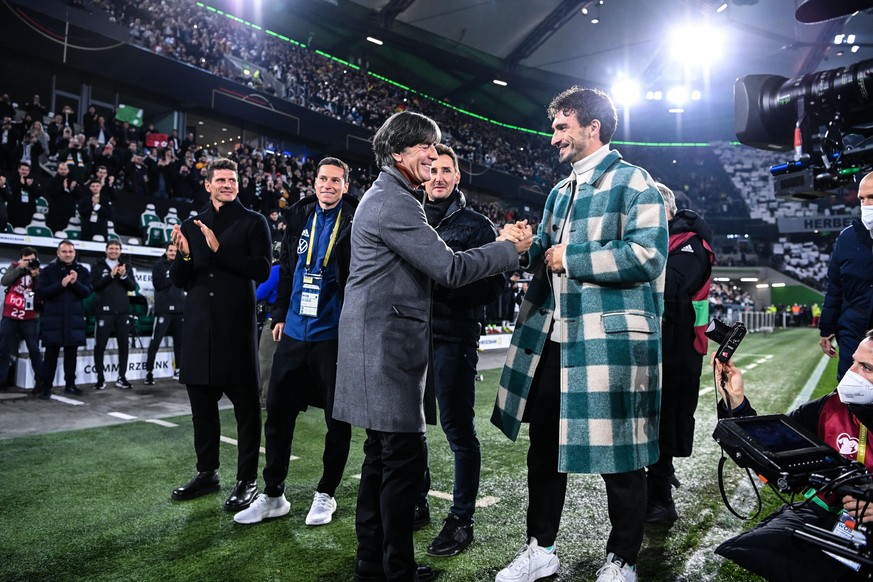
point(678, 95)
point(375, 40)
point(626, 92)
point(696, 45)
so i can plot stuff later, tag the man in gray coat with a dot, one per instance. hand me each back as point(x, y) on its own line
point(384, 337)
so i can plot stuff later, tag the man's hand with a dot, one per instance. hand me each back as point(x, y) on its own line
point(180, 241)
point(211, 240)
point(734, 385)
point(520, 234)
point(827, 346)
point(122, 270)
point(69, 279)
point(278, 329)
point(855, 507)
point(555, 258)
point(114, 272)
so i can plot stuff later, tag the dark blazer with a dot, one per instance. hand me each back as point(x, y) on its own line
point(384, 331)
point(63, 314)
point(218, 337)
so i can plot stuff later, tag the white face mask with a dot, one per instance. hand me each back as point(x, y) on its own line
point(867, 216)
point(855, 389)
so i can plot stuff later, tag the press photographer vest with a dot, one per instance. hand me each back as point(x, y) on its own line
point(20, 303)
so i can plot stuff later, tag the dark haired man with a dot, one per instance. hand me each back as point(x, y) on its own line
point(19, 312)
point(384, 337)
point(456, 317)
point(21, 197)
point(113, 280)
point(583, 365)
point(222, 253)
point(63, 286)
point(313, 268)
point(169, 309)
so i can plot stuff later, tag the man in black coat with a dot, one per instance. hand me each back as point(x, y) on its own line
point(222, 253)
point(686, 315)
point(313, 268)
point(456, 328)
point(64, 285)
point(169, 307)
point(21, 197)
point(113, 280)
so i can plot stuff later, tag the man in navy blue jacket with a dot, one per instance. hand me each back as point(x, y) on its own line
point(847, 312)
point(64, 285)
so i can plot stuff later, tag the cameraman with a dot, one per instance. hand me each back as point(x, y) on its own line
point(19, 313)
point(840, 419)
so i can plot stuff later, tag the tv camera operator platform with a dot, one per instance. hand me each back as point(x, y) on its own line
point(841, 419)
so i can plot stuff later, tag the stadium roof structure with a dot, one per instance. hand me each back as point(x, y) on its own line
point(454, 50)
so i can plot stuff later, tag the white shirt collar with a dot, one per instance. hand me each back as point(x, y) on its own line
point(584, 167)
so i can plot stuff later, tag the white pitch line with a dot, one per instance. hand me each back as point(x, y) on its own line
point(66, 400)
point(480, 503)
point(263, 451)
point(121, 415)
point(160, 422)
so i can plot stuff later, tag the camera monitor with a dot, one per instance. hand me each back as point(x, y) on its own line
point(777, 448)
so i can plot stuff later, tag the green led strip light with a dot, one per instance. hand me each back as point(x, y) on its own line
point(428, 97)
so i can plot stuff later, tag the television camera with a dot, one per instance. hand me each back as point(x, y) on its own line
point(826, 118)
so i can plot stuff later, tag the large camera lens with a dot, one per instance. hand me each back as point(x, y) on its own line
point(717, 331)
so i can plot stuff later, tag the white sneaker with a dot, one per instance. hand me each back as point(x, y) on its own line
point(321, 512)
point(615, 570)
point(263, 507)
point(531, 563)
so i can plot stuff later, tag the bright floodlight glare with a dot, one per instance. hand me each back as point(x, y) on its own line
point(626, 92)
point(499, 82)
point(722, 8)
point(839, 38)
point(375, 40)
point(699, 45)
point(678, 95)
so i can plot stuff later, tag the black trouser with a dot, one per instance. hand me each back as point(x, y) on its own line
point(207, 427)
point(390, 483)
point(171, 323)
point(50, 366)
point(108, 323)
point(547, 488)
point(299, 368)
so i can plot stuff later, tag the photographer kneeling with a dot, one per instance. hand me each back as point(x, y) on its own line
point(840, 419)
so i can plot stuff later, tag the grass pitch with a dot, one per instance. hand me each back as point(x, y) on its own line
point(95, 504)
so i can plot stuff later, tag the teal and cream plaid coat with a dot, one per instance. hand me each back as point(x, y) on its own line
point(612, 301)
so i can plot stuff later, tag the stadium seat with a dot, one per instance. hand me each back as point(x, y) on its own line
point(110, 228)
point(148, 217)
point(155, 235)
point(61, 234)
point(172, 217)
point(42, 205)
point(19, 230)
point(37, 226)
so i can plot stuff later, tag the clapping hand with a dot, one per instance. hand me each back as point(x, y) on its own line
point(520, 234)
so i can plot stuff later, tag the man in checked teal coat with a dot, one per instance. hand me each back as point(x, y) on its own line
point(583, 366)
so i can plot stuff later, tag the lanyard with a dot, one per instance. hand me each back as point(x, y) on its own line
point(330, 244)
point(862, 445)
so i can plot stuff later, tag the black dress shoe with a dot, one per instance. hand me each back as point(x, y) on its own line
point(244, 492)
point(456, 535)
point(421, 517)
point(423, 573)
point(201, 484)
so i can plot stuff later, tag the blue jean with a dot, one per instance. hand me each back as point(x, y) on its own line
point(10, 331)
point(455, 384)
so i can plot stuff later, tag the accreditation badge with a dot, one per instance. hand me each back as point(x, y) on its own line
point(311, 292)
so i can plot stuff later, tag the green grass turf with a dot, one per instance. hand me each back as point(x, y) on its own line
point(95, 504)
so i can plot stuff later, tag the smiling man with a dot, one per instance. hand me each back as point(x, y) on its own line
point(313, 268)
point(457, 314)
point(583, 365)
point(384, 332)
point(221, 254)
